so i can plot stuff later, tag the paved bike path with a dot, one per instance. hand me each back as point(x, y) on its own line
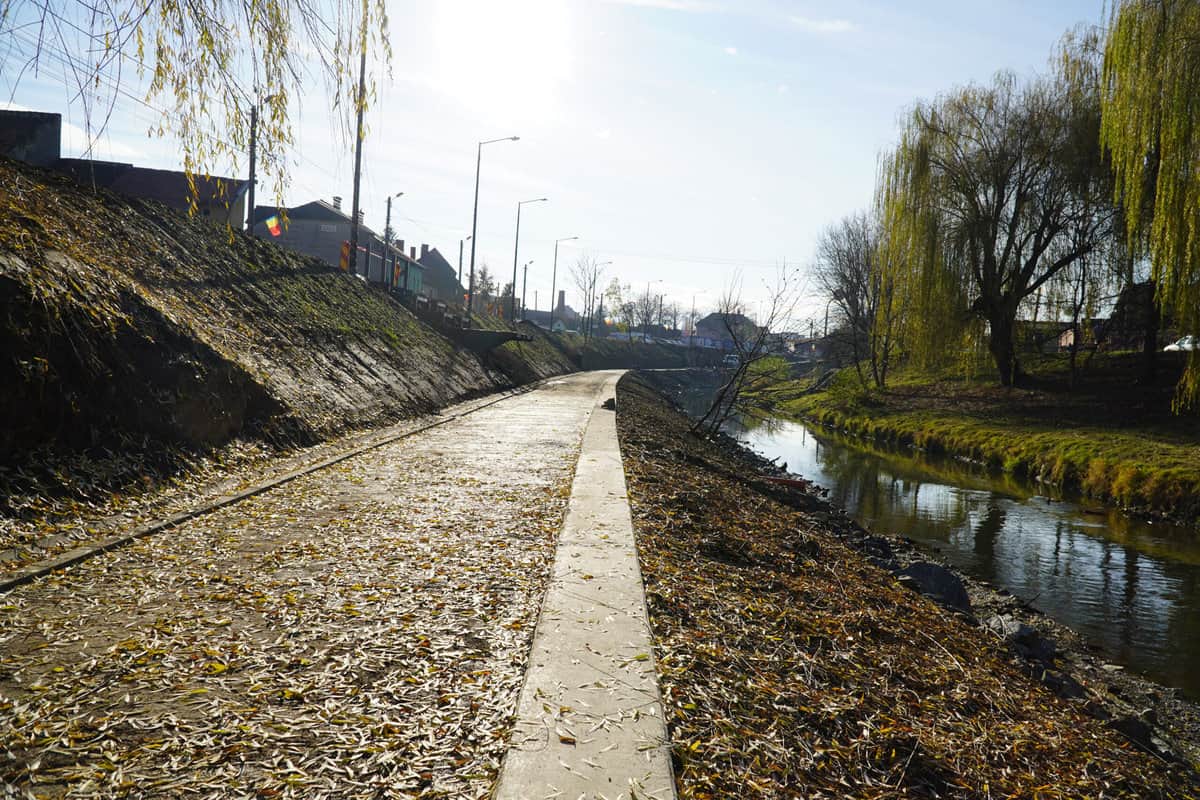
point(590, 719)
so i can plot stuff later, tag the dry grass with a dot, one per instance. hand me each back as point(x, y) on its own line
point(791, 667)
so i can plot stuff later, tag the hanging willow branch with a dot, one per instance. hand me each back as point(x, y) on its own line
point(205, 64)
point(1151, 128)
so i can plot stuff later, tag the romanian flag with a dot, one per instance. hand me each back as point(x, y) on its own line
point(273, 225)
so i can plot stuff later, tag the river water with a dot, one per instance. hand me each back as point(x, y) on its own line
point(1132, 587)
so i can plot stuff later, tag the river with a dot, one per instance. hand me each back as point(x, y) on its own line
point(1131, 586)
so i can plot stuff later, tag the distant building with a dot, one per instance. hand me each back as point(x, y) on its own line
point(36, 138)
point(715, 330)
point(441, 279)
point(565, 317)
point(319, 229)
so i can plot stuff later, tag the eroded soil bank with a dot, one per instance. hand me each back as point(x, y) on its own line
point(794, 663)
point(145, 353)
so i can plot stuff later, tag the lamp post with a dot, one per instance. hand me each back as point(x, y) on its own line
point(475, 215)
point(512, 306)
point(387, 242)
point(554, 277)
point(253, 154)
point(524, 283)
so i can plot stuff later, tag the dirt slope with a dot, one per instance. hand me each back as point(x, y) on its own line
point(128, 326)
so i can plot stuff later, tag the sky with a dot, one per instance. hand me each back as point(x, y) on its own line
point(685, 141)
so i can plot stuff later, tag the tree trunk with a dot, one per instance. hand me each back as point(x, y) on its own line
point(1150, 337)
point(1000, 345)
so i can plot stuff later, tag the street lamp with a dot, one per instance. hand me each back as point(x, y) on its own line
point(253, 149)
point(512, 306)
point(387, 243)
point(554, 277)
point(475, 216)
point(524, 283)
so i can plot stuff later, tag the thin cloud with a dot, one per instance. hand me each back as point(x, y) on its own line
point(732, 51)
point(823, 25)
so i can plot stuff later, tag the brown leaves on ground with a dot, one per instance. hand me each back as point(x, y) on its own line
point(359, 632)
point(791, 667)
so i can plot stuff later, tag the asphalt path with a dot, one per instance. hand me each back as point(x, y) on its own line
point(360, 631)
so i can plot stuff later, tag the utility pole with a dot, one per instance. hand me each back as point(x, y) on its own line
point(460, 254)
point(362, 100)
point(254, 155)
point(692, 336)
point(554, 278)
point(387, 241)
point(253, 147)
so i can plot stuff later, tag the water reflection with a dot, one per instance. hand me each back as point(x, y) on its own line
point(1130, 586)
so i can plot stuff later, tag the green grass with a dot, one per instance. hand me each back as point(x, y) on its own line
point(1105, 438)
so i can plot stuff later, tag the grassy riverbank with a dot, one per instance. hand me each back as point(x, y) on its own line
point(1105, 437)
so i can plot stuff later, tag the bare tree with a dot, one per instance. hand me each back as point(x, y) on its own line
point(587, 273)
point(670, 315)
point(645, 310)
point(848, 275)
point(749, 384)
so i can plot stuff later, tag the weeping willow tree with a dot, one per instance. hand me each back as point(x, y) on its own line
point(991, 192)
point(1151, 127)
point(197, 69)
point(928, 296)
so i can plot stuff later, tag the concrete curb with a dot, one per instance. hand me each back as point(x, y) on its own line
point(590, 718)
point(44, 567)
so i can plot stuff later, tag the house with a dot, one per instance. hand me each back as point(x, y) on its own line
point(717, 329)
point(565, 317)
point(807, 348)
point(36, 138)
point(320, 229)
point(441, 279)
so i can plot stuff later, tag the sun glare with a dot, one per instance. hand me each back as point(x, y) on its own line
point(505, 61)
